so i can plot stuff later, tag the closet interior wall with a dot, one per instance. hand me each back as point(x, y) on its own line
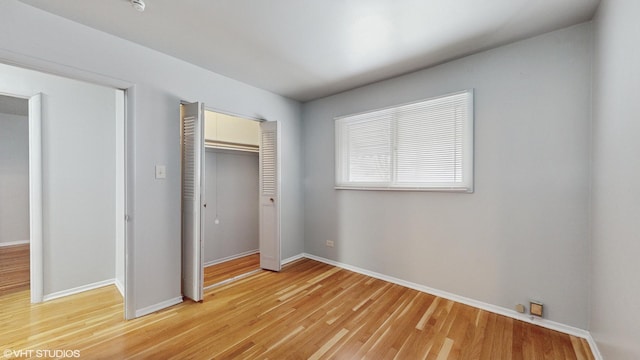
point(231, 190)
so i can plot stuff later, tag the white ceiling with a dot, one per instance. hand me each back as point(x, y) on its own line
point(305, 49)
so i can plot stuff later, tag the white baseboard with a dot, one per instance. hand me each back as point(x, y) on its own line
point(467, 301)
point(159, 306)
point(292, 259)
point(594, 348)
point(78, 289)
point(282, 262)
point(13, 243)
point(120, 286)
point(238, 277)
point(232, 257)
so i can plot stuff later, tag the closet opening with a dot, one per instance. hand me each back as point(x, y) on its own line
point(231, 221)
point(230, 197)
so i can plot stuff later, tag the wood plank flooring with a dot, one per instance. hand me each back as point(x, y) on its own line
point(14, 268)
point(229, 269)
point(310, 310)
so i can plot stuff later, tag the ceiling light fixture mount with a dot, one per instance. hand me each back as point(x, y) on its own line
point(138, 5)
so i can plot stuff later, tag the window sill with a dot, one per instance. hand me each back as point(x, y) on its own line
point(398, 188)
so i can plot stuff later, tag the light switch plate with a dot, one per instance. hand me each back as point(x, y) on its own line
point(161, 172)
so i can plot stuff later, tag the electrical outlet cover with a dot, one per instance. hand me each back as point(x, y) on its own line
point(535, 308)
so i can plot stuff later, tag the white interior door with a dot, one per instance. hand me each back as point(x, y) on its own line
point(269, 196)
point(192, 128)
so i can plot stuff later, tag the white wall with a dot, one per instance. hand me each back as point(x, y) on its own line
point(523, 234)
point(78, 145)
point(231, 192)
point(14, 178)
point(33, 37)
point(615, 289)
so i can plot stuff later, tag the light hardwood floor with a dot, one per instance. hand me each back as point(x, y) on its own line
point(14, 268)
point(229, 269)
point(309, 310)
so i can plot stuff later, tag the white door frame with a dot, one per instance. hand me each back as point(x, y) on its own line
point(36, 243)
point(129, 203)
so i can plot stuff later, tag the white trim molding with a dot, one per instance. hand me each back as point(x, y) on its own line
point(120, 286)
point(594, 348)
point(36, 233)
point(14, 243)
point(159, 306)
point(471, 302)
point(232, 257)
point(293, 258)
point(238, 277)
point(79, 289)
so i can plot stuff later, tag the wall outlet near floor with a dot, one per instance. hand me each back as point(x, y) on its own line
point(329, 243)
point(535, 308)
point(520, 308)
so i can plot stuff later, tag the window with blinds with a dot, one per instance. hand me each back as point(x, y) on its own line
point(426, 145)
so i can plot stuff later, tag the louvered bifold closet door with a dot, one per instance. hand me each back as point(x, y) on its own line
point(192, 199)
point(269, 197)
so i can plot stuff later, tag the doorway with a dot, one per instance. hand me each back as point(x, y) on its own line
point(14, 195)
point(76, 182)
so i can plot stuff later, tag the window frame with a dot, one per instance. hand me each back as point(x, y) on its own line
point(465, 186)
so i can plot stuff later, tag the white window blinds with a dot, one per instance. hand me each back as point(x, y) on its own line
point(369, 149)
point(427, 145)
